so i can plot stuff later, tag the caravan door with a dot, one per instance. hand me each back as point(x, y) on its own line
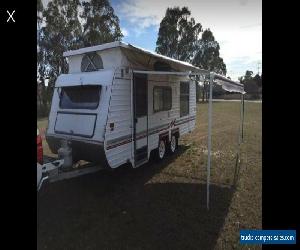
point(140, 116)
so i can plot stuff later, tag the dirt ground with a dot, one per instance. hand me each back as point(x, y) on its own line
point(163, 205)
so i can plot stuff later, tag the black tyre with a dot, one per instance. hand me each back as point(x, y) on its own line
point(173, 145)
point(161, 151)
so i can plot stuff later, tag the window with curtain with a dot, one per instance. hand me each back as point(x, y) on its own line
point(162, 98)
point(184, 98)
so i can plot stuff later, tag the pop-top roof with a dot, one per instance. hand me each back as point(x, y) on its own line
point(226, 83)
point(130, 47)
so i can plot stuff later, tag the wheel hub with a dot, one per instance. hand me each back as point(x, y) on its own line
point(162, 149)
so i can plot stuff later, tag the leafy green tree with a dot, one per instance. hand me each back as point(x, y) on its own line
point(179, 38)
point(39, 23)
point(59, 30)
point(178, 34)
point(62, 32)
point(208, 54)
point(41, 106)
point(252, 85)
point(39, 10)
point(258, 80)
point(101, 25)
point(248, 75)
point(208, 57)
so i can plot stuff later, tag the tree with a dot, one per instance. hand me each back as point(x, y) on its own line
point(39, 11)
point(101, 25)
point(179, 38)
point(59, 30)
point(41, 102)
point(62, 32)
point(251, 84)
point(178, 34)
point(248, 75)
point(208, 57)
point(39, 23)
point(208, 54)
point(258, 80)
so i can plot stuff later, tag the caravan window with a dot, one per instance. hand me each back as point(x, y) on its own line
point(80, 97)
point(184, 98)
point(91, 62)
point(162, 98)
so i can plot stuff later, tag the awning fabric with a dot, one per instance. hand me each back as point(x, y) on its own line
point(228, 84)
point(102, 77)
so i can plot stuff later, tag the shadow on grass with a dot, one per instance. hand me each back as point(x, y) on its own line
point(120, 210)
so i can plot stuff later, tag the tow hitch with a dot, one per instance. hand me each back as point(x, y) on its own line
point(62, 168)
point(55, 171)
point(46, 170)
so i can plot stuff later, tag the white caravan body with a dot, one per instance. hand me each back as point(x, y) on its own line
point(118, 101)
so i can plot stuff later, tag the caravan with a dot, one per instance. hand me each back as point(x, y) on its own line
point(119, 103)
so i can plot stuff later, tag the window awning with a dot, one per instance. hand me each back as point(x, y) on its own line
point(101, 77)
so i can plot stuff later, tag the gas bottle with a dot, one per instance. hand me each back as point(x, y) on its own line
point(65, 153)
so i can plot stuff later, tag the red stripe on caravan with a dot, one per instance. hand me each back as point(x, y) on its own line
point(144, 135)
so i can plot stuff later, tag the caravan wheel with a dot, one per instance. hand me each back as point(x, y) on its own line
point(173, 144)
point(161, 149)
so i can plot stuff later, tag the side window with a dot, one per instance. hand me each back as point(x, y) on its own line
point(91, 62)
point(162, 98)
point(184, 98)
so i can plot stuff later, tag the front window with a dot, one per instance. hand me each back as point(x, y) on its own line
point(162, 98)
point(80, 97)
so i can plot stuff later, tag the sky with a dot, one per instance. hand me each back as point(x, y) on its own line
point(236, 25)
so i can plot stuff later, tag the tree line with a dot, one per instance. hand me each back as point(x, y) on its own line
point(72, 24)
point(252, 84)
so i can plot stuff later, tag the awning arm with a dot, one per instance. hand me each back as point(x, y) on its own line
point(153, 72)
point(199, 72)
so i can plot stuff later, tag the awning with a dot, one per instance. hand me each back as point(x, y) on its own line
point(135, 54)
point(101, 77)
point(228, 84)
point(153, 72)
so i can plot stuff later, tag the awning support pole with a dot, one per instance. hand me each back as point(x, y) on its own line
point(243, 113)
point(241, 120)
point(209, 138)
point(240, 140)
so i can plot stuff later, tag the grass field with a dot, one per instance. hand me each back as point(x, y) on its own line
point(163, 205)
